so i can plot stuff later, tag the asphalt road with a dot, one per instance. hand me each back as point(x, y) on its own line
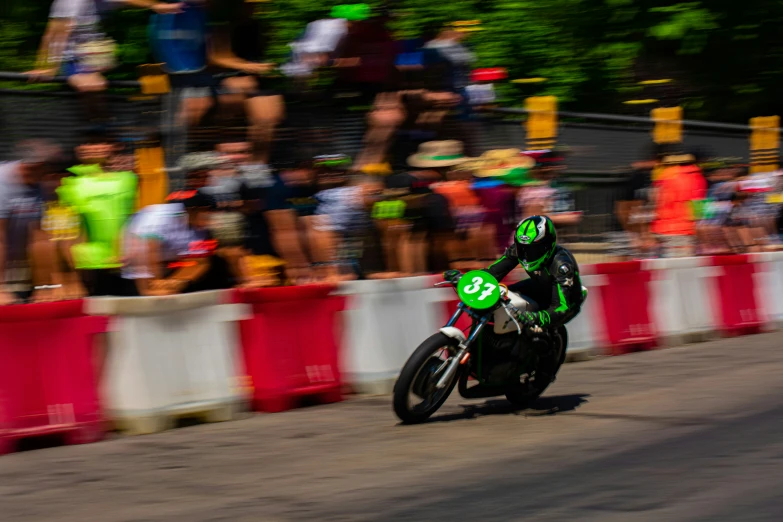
point(684, 434)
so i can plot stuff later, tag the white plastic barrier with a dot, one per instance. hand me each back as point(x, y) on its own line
point(170, 357)
point(585, 333)
point(769, 284)
point(683, 297)
point(385, 321)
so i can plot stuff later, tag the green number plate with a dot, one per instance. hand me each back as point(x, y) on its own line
point(479, 290)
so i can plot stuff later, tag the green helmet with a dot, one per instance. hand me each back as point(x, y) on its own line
point(536, 239)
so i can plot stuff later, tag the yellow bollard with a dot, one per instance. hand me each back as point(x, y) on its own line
point(764, 144)
point(541, 122)
point(668, 124)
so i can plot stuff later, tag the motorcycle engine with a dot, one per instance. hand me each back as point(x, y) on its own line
point(504, 357)
point(499, 357)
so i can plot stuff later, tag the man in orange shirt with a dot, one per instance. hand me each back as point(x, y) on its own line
point(679, 185)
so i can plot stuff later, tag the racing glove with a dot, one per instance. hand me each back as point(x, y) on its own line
point(529, 319)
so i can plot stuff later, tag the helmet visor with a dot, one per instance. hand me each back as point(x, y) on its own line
point(534, 252)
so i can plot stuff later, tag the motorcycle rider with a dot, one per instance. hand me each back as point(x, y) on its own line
point(553, 290)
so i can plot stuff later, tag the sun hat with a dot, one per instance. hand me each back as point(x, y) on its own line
point(434, 154)
point(498, 163)
point(332, 161)
point(678, 159)
point(511, 166)
point(198, 161)
point(721, 163)
point(518, 177)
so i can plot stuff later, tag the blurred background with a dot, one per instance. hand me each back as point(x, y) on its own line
point(153, 148)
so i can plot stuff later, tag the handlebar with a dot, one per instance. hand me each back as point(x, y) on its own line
point(506, 307)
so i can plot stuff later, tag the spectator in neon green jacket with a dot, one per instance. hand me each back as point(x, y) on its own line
point(104, 201)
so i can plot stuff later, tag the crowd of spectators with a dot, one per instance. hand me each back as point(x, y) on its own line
point(682, 204)
point(74, 225)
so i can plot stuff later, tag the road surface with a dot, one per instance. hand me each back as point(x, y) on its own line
point(683, 434)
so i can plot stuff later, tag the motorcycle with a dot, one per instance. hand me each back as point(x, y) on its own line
point(507, 358)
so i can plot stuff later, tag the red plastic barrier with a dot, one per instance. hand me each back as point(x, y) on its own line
point(48, 381)
point(625, 299)
point(739, 311)
point(291, 345)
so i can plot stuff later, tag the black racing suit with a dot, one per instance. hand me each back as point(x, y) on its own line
point(555, 288)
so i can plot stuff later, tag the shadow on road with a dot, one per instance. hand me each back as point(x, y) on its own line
point(550, 405)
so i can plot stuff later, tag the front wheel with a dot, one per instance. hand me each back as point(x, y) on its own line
point(416, 397)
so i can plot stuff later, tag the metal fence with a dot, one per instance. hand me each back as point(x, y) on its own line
point(601, 147)
point(55, 112)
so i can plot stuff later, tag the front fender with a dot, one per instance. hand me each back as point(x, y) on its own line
point(454, 333)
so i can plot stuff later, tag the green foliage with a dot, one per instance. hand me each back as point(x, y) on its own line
point(725, 57)
point(12, 37)
point(129, 29)
point(688, 23)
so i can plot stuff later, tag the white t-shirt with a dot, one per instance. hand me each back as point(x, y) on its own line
point(167, 223)
point(86, 19)
point(79, 10)
point(320, 37)
point(343, 206)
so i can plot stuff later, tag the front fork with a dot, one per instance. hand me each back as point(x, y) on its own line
point(453, 366)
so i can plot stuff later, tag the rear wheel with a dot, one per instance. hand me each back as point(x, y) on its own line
point(532, 386)
point(416, 397)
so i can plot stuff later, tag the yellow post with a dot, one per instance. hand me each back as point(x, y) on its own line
point(151, 169)
point(668, 125)
point(541, 122)
point(153, 79)
point(764, 144)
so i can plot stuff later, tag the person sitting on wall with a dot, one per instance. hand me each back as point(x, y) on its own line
point(104, 201)
point(21, 211)
point(54, 277)
point(168, 248)
point(74, 46)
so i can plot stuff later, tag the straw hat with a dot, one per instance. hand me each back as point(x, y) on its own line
point(678, 159)
point(434, 154)
point(395, 192)
point(198, 161)
point(497, 163)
